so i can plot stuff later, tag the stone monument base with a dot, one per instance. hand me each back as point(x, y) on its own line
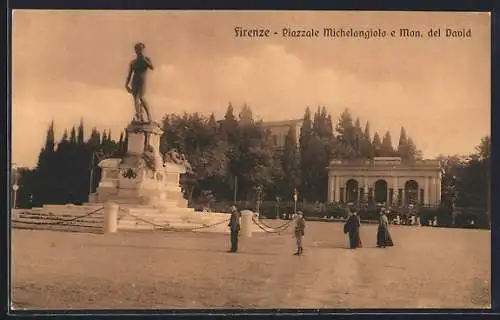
point(147, 189)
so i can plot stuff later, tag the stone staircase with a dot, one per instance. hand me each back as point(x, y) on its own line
point(72, 218)
point(89, 218)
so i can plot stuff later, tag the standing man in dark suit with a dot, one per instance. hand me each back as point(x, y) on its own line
point(300, 225)
point(234, 226)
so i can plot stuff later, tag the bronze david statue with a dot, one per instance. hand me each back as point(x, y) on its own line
point(136, 83)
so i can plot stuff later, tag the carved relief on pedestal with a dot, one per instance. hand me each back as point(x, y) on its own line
point(129, 173)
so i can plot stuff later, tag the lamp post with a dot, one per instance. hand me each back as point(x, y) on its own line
point(235, 189)
point(277, 207)
point(91, 178)
point(259, 195)
point(488, 199)
point(15, 186)
point(295, 201)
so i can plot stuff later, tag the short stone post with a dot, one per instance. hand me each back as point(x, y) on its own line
point(246, 223)
point(110, 217)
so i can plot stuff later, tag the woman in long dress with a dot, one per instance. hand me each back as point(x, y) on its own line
point(352, 228)
point(383, 235)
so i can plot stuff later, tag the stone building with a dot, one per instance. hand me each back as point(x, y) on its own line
point(385, 180)
point(279, 130)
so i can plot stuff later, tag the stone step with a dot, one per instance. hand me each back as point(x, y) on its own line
point(51, 219)
point(69, 211)
point(125, 224)
point(67, 228)
point(42, 218)
point(164, 220)
point(165, 215)
point(171, 203)
point(184, 225)
point(71, 207)
point(142, 212)
point(58, 214)
point(158, 211)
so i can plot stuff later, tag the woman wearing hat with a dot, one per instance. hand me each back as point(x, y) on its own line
point(383, 236)
point(351, 227)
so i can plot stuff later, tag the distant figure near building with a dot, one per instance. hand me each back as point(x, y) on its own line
point(383, 236)
point(136, 82)
point(234, 226)
point(300, 226)
point(351, 227)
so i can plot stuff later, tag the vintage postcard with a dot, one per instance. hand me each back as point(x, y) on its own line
point(250, 160)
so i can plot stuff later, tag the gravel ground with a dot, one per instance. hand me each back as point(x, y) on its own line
point(428, 268)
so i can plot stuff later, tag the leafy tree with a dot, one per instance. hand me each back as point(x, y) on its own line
point(346, 132)
point(246, 115)
point(451, 170)
point(195, 136)
point(254, 161)
point(219, 151)
point(229, 126)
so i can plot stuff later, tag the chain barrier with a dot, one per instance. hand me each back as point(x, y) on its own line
point(278, 227)
point(283, 227)
point(167, 227)
point(62, 221)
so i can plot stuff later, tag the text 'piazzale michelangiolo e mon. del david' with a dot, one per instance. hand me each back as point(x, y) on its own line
point(352, 32)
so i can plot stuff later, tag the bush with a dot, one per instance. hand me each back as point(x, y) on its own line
point(464, 217)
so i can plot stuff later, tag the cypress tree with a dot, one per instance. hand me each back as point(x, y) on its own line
point(387, 149)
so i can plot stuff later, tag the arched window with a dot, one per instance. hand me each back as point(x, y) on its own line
point(411, 192)
point(352, 191)
point(381, 191)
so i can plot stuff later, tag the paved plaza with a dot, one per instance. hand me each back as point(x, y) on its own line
point(428, 268)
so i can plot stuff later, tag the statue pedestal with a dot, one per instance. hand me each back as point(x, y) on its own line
point(141, 177)
point(147, 190)
point(144, 186)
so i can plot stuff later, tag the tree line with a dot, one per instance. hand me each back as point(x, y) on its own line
point(234, 158)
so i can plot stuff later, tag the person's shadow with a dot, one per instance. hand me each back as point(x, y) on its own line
point(339, 246)
point(222, 250)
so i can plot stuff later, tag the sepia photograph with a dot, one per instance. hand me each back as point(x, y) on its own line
point(180, 160)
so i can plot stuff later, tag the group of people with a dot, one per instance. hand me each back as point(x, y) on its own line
point(351, 227)
point(353, 223)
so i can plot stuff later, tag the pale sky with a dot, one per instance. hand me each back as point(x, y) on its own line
point(72, 64)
